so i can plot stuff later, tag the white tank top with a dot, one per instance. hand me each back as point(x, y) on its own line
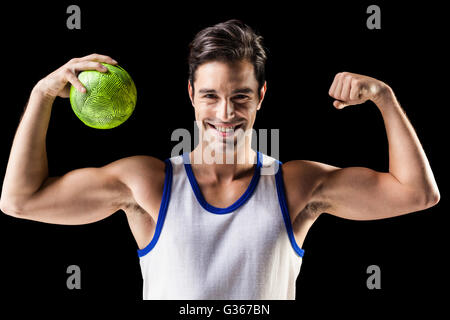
point(246, 251)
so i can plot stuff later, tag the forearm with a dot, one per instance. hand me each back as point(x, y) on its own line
point(27, 165)
point(408, 162)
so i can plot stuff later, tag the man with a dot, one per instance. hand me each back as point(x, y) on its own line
point(218, 229)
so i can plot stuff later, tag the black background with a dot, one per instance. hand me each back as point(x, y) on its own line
point(308, 44)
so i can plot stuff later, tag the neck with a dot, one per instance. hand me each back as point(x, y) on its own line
point(223, 166)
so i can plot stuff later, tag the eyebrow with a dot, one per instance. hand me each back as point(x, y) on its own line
point(207, 91)
point(241, 90)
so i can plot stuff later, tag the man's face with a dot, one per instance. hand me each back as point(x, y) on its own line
point(225, 101)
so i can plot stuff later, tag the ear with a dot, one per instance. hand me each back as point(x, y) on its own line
point(191, 93)
point(262, 94)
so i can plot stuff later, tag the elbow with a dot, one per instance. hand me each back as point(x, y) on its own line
point(433, 199)
point(429, 198)
point(11, 209)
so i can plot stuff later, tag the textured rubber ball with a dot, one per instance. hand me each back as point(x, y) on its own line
point(109, 100)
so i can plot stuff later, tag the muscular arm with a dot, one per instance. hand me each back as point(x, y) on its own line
point(87, 195)
point(364, 194)
point(80, 196)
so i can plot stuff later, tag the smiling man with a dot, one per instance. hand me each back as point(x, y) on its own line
point(226, 99)
point(218, 229)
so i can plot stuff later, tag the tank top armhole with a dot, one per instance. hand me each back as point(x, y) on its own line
point(285, 210)
point(162, 210)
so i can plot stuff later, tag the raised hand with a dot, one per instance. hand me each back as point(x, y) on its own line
point(351, 89)
point(58, 82)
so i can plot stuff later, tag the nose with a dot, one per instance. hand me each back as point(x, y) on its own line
point(225, 110)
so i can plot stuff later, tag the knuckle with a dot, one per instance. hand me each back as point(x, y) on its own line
point(356, 82)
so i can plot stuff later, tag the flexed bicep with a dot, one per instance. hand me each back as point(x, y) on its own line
point(80, 196)
point(359, 193)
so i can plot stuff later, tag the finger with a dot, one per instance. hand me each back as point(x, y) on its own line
point(99, 58)
point(73, 79)
point(339, 104)
point(355, 92)
point(338, 90)
point(88, 65)
point(333, 85)
point(345, 93)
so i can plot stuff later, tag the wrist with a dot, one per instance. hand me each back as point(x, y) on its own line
point(384, 96)
point(40, 93)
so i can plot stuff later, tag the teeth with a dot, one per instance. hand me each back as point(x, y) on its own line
point(223, 129)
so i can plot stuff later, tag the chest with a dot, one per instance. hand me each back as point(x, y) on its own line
point(256, 225)
point(223, 195)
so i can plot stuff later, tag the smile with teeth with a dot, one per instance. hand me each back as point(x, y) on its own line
point(224, 129)
point(227, 129)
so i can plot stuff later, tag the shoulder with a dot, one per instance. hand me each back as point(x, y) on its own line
point(303, 180)
point(143, 176)
point(136, 165)
point(309, 172)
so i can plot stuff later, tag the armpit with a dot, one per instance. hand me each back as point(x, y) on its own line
point(313, 209)
point(134, 208)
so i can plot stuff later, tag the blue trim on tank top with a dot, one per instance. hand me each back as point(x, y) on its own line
point(162, 209)
point(285, 210)
point(201, 199)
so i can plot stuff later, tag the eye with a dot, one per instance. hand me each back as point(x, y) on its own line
point(210, 96)
point(241, 97)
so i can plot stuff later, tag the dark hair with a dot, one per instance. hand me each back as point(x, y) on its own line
point(228, 41)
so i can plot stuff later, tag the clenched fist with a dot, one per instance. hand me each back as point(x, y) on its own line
point(351, 88)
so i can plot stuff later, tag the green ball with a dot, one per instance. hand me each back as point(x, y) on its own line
point(109, 100)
